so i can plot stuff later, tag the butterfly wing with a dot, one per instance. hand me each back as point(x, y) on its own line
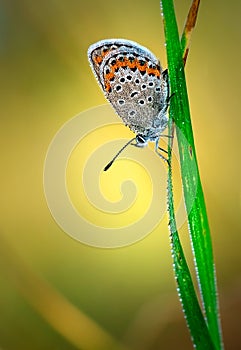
point(133, 82)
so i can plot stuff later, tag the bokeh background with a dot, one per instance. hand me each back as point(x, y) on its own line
point(50, 281)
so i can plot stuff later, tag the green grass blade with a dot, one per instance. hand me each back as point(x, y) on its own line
point(193, 314)
point(194, 199)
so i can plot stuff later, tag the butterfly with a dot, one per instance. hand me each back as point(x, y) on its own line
point(133, 81)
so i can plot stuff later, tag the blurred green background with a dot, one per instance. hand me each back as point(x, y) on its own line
point(47, 279)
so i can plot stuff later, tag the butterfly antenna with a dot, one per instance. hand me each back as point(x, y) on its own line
point(117, 154)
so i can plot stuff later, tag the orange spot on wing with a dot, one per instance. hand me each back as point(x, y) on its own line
point(141, 68)
point(114, 67)
point(109, 76)
point(104, 53)
point(107, 86)
point(107, 79)
point(98, 59)
point(125, 63)
point(122, 64)
point(129, 63)
point(154, 71)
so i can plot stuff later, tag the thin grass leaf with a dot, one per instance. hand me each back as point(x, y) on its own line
point(194, 200)
point(196, 323)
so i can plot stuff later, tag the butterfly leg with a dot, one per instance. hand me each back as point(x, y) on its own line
point(169, 97)
point(166, 78)
point(157, 148)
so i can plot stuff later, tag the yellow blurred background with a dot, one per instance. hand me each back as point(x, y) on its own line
point(48, 280)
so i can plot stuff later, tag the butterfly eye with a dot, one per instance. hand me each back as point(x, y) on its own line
point(140, 139)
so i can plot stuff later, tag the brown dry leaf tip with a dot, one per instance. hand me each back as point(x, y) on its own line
point(192, 17)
